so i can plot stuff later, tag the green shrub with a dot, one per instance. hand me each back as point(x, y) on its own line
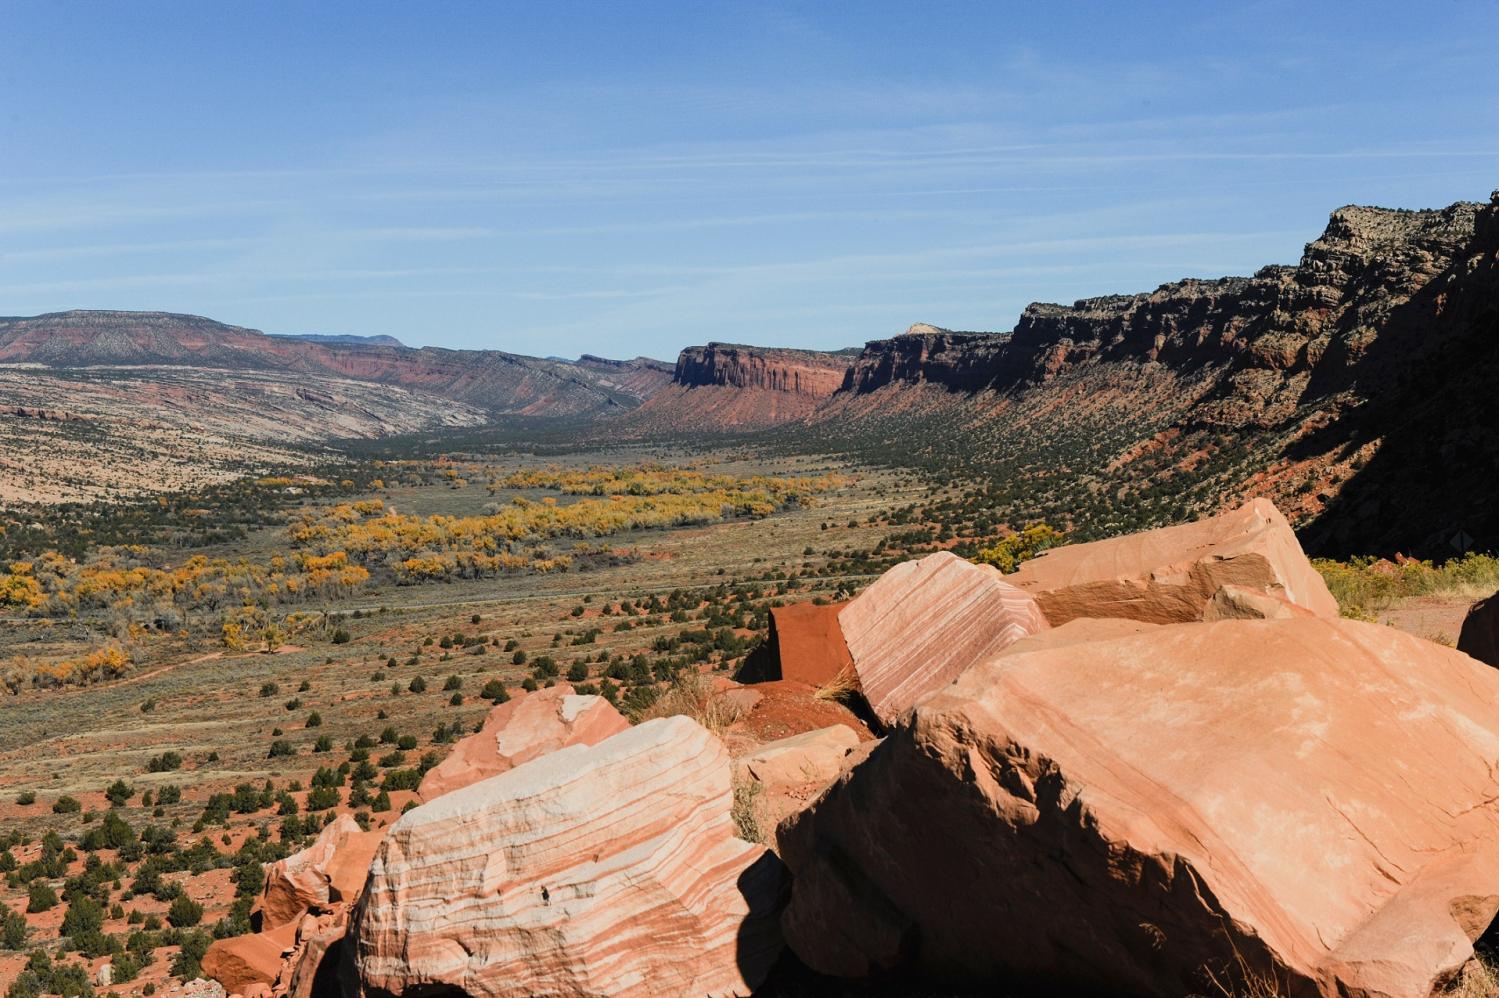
point(322, 798)
point(125, 967)
point(13, 930)
point(184, 912)
point(84, 915)
point(188, 963)
point(40, 897)
point(401, 779)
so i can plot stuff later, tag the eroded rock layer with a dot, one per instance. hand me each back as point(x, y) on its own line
point(605, 870)
point(1173, 574)
point(923, 622)
point(329, 871)
point(520, 730)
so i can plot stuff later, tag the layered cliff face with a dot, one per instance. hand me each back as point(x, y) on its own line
point(724, 387)
point(1351, 388)
point(809, 373)
point(498, 381)
point(927, 354)
point(1321, 315)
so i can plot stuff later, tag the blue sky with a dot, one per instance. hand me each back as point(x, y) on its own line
point(628, 178)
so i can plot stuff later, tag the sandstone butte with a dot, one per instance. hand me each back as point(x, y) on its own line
point(923, 622)
point(1480, 633)
point(808, 644)
point(604, 870)
point(1170, 575)
point(522, 729)
point(1303, 803)
point(329, 871)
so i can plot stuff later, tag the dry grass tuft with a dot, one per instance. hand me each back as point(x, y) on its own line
point(692, 695)
point(1243, 980)
point(747, 811)
point(839, 688)
point(1479, 978)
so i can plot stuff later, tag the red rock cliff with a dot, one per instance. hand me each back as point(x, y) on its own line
point(801, 372)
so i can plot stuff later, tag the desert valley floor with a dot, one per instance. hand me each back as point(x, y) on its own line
point(158, 746)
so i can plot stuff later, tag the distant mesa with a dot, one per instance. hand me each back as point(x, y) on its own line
point(380, 340)
point(730, 387)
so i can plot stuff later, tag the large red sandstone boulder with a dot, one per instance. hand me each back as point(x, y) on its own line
point(610, 870)
point(521, 729)
point(808, 643)
point(240, 962)
point(314, 968)
point(923, 622)
point(1301, 802)
point(1172, 574)
point(329, 871)
point(1480, 633)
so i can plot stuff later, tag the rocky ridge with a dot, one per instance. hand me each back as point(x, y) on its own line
point(500, 382)
point(1348, 388)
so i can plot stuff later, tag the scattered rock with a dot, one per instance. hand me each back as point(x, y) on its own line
point(923, 622)
point(1238, 603)
point(1170, 575)
point(196, 988)
point(1301, 802)
point(811, 757)
point(604, 870)
point(741, 699)
point(241, 961)
point(807, 643)
point(522, 729)
point(315, 966)
point(1480, 634)
point(330, 870)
